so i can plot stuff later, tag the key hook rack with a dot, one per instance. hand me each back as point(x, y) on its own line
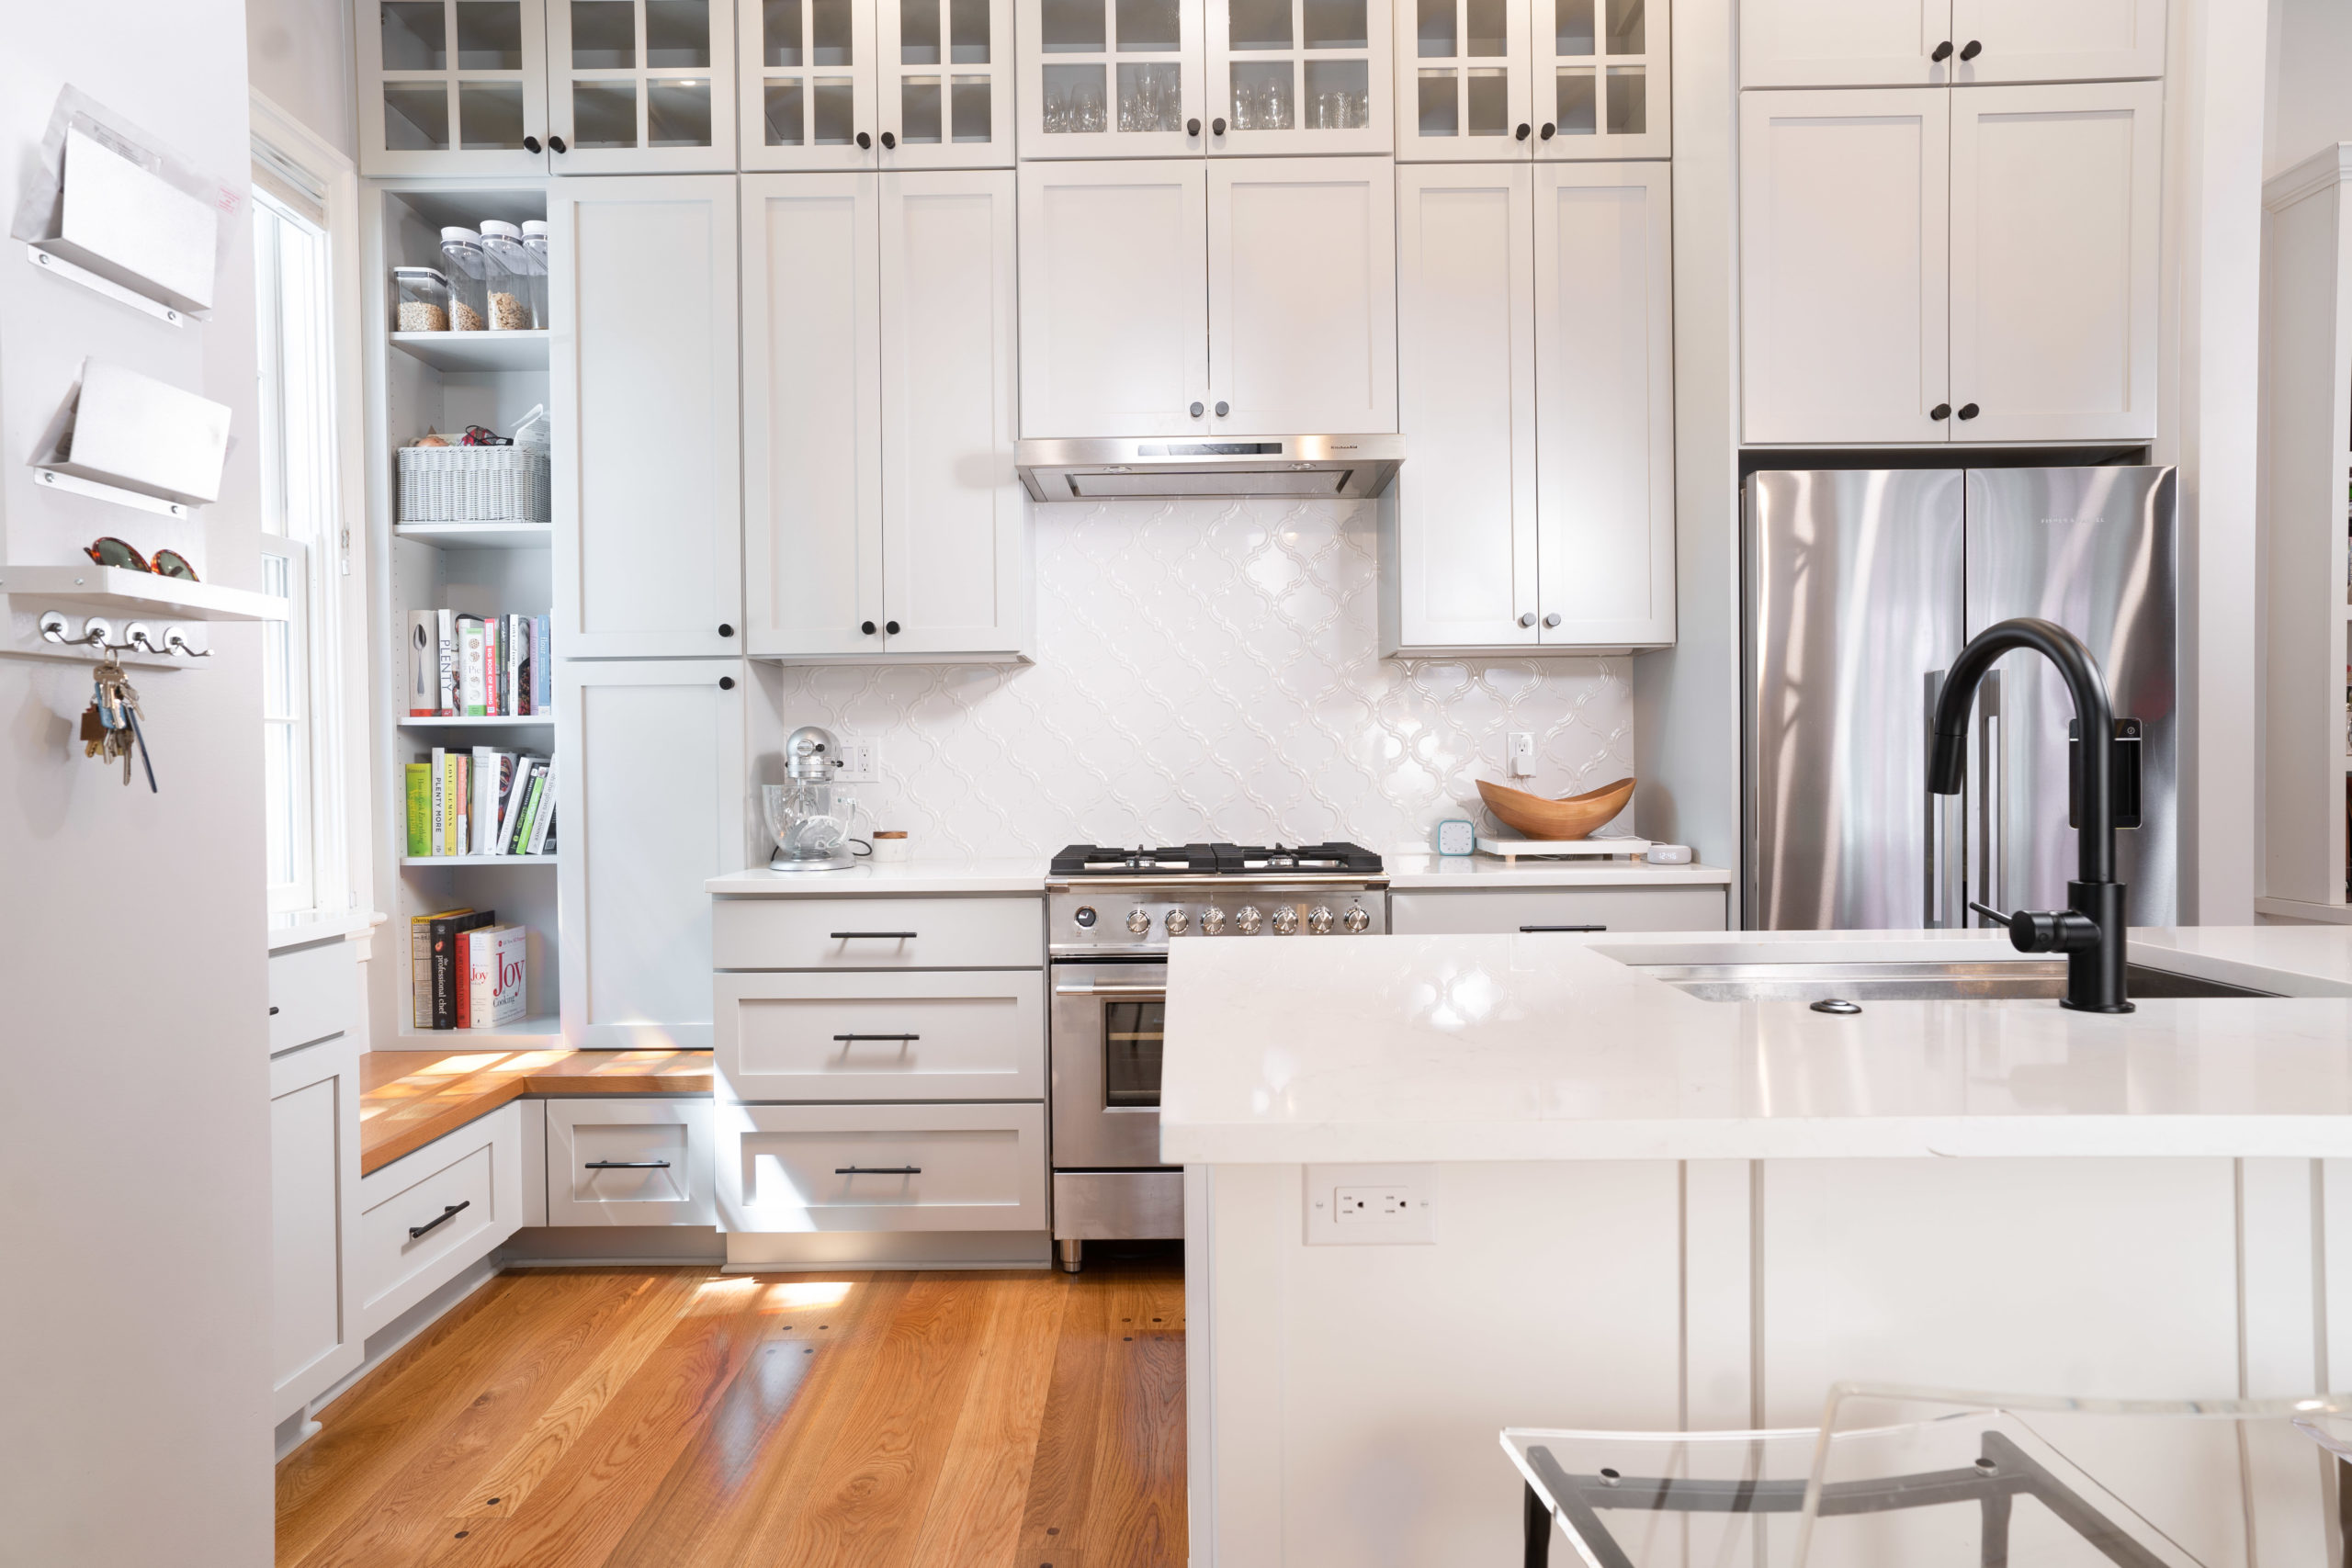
point(138, 637)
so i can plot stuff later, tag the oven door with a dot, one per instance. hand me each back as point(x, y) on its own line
point(1108, 1018)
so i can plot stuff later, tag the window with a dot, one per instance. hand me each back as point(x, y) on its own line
point(303, 538)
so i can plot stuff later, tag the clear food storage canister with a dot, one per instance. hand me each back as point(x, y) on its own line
point(461, 254)
point(423, 300)
point(506, 276)
point(535, 241)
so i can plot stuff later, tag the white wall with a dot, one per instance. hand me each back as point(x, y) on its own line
point(2311, 81)
point(300, 54)
point(134, 1142)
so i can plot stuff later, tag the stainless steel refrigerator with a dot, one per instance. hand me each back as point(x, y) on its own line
point(1860, 587)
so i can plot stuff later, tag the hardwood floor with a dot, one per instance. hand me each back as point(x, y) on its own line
point(634, 1417)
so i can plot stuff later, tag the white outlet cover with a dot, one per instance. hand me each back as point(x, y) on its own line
point(860, 761)
point(1355, 1219)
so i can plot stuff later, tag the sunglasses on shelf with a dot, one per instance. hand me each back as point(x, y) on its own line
point(112, 551)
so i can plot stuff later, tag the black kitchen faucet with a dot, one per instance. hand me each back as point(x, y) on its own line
point(2090, 932)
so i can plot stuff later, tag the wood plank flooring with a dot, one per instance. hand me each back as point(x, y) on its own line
point(680, 1417)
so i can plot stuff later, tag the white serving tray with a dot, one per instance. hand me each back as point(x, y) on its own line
point(1533, 848)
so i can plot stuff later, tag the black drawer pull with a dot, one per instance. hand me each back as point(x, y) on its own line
point(878, 1170)
point(448, 1215)
point(1526, 929)
point(627, 1165)
point(874, 936)
point(273, 1012)
point(877, 1036)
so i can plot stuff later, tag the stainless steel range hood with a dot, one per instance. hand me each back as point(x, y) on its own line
point(1329, 467)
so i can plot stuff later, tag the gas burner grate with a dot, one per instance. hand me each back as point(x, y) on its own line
point(1217, 860)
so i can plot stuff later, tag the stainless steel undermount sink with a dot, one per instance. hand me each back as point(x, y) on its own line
point(1975, 980)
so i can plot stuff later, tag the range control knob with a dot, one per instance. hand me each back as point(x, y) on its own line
point(1248, 920)
point(1212, 921)
point(1085, 917)
point(1285, 920)
point(1179, 922)
point(1319, 920)
point(1355, 919)
point(1140, 920)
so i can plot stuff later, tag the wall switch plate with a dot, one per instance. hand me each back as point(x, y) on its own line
point(1371, 1205)
point(1521, 748)
point(860, 761)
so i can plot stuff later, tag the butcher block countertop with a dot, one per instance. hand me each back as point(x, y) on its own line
point(407, 1098)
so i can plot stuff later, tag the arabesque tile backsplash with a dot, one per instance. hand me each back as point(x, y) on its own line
point(1208, 669)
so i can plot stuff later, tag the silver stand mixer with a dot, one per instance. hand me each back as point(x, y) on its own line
point(808, 816)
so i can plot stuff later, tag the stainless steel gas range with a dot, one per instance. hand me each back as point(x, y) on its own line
point(1111, 915)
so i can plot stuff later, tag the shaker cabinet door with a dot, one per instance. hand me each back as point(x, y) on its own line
point(451, 86)
point(315, 1334)
point(2058, 40)
point(2054, 198)
point(812, 409)
point(945, 75)
point(1846, 43)
point(1461, 568)
point(640, 86)
point(650, 789)
point(1844, 286)
point(1113, 308)
point(1303, 295)
point(1604, 404)
point(647, 477)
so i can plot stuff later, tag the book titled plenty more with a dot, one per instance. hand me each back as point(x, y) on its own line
point(483, 802)
point(462, 666)
point(466, 971)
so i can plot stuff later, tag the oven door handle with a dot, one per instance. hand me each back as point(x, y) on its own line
point(1115, 988)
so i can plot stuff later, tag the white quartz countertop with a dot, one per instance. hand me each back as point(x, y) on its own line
point(1418, 872)
point(1456, 1048)
point(905, 877)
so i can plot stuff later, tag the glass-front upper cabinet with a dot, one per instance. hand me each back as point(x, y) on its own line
point(1294, 76)
point(450, 86)
point(808, 86)
point(1112, 78)
point(640, 86)
point(1600, 78)
point(946, 68)
point(1487, 80)
point(877, 84)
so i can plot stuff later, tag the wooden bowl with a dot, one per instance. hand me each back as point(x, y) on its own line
point(1574, 817)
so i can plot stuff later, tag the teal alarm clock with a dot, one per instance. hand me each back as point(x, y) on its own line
point(1456, 837)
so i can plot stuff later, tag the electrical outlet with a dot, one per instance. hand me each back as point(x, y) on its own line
point(860, 761)
point(1521, 748)
point(1371, 1205)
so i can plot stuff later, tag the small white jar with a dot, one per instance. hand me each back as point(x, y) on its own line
point(892, 847)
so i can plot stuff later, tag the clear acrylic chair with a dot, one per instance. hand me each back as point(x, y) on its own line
point(1929, 1478)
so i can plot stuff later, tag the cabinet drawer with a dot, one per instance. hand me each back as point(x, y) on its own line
point(314, 992)
point(1476, 912)
point(477, 1171)
point(629, 1162)
point(966, 1036)
point(878, 934)
point(883, 1167)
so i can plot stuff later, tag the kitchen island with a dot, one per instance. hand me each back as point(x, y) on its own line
point(1578, 1195)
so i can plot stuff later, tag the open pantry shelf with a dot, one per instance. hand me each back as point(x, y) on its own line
point(479, 721)
point(478, 860)
point(522, 1033)
point(476, 351)
point(479, 536)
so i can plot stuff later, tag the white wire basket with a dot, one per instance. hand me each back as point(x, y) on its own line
point(474, 484)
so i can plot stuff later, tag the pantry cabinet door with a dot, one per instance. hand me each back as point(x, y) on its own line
point(451, 86)
point(1464, 75)
point(640, 86)
point(648, 483)
point(1846, 43)
point(955, 518)
point(1604, 404)
point(808, 83)
point(1299, 76)
point(315, 1339)
point(2057, 40)
point(1303, 295)
point(1111, 78)
point(1463, 551)
point(650, 801)
point(944, 69)
point(1844, 258)
point(2054, 198)
point(1114, 298)
point(1601, 79)
point(812, 407)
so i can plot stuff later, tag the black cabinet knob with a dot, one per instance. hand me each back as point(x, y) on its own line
point(1521, 134)
point(1224, 409)
point(1968, 410)
point(890, 626)
point(866, 626)
point(1217, 126)
point(1941, 411)
point(863, 142)
point(727, 683)
point(1943, 51)
point(1198, 411)
point(1548, 131)
point(726, 630)
point(557, 142)
point(888, 142)
point(1971, 49)
point(1192, 128)
point(530, 144)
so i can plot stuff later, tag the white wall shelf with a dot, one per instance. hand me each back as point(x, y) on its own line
point(98, 491)
point(479, 536)
point(122, 590)
point(478, 860)
point(58, 266)
point(518, 1035)
point(478, 721)
point(476, 351)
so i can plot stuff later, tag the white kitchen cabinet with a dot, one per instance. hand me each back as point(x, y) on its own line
point(877, 83)
point(1301, 285)
point(880, 382)
point(649, 772)
point(640, 86)
point(945, 1035)
point(1537, 911)
point(427, 1216)
point(315, 1334)
point(1555, 79)
point(629, 1162)
point(839, 933)
point(2055, 193)
point(2056, 40)
point(883, 1167)
point(1114, 329)
point(1601, 79)
point(1536, 347)
point(1299, 76)
point(1902, 43)
point(647, 475)
point(314, 992)
point(1844, 258)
